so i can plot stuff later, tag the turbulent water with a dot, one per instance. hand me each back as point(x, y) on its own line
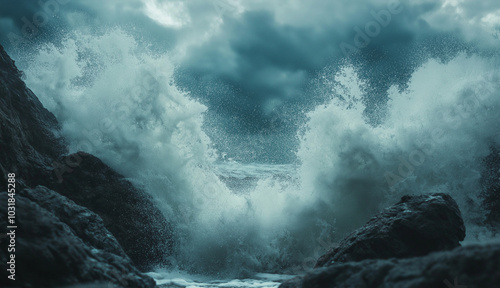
point(233, 217)
point(177, 279)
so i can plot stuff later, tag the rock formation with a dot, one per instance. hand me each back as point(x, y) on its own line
point(476, 266)
point(61, 242)
point(415, 226)
point(402, 247)
point(128, 213)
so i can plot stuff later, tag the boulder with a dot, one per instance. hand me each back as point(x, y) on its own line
point(415, 226)
point(475, 266)
point(85, 224)
point(60, 243)
point(129, 213)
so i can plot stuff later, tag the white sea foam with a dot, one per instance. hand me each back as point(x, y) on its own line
point(119, 102)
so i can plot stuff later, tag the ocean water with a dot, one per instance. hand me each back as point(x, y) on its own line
point(175, 279)
point(235, 218)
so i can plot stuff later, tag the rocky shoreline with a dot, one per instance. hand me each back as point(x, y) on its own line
point(80, 222)
point(414, 243)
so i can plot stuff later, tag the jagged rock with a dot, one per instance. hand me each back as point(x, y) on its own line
point(87, 225)
point(59, 243)
point(129, 213)
point(415, 226)
point(29, 140)
point(476, 266)
point(30, 147)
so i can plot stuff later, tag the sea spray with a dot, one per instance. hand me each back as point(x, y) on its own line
point(118, 101)
point(433, 139)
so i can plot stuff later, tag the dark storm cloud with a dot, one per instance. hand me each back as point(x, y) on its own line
point(24, 23)
point(256, 73)
point(264, 62)
point(14, 15)
point(257, 70)
point(266, 65)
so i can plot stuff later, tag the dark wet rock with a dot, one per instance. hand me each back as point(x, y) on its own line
point(29, 140)
point(415, 226)
point(30, 147)
point(59, 243)
point(476, 266)
point(129, 213)
point(87, 225)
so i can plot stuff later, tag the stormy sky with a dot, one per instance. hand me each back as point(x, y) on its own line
point(255, 64)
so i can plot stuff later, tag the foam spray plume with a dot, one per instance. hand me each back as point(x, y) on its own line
point(119, 101)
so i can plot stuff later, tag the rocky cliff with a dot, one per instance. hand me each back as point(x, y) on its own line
point(79, 221)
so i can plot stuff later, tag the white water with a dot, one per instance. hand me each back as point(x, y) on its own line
point(179, 279)
point(118, 101)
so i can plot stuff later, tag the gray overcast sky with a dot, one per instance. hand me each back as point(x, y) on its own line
point(252, 62)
